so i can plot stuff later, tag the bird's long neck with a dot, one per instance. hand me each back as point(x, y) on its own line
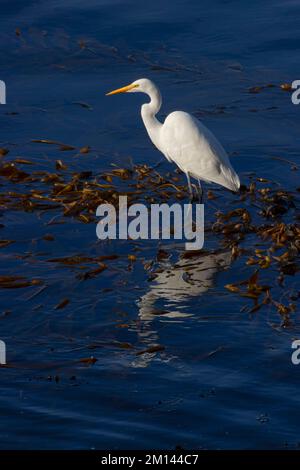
point(148, 112)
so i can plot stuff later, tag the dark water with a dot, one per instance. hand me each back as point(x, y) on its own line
point(224, 378)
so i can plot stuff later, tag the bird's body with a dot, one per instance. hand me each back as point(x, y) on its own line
point(185, 141)
point(196, 150)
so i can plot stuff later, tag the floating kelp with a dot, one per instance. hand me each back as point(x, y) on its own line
point(79, 194)
point(16, 282)
point(62, 304)
point(262, 231)
point(4, 243)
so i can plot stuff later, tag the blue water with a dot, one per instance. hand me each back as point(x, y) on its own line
point(223, 378)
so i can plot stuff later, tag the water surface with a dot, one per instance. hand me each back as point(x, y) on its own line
point(223, 376)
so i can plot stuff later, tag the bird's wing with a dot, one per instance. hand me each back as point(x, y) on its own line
point(188, 143)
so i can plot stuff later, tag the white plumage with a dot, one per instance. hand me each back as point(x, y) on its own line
point(184, 140)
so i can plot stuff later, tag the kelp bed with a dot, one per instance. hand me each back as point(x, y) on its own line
point(260, 225)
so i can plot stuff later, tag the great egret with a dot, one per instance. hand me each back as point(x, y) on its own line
point(184, 140)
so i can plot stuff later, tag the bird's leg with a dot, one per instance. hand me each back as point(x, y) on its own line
point(196, 192)
point(200, 193)
point(190, 186)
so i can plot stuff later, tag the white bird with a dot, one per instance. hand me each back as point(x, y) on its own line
point(184, 140)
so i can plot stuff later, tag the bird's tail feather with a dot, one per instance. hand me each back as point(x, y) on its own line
point(232, 181)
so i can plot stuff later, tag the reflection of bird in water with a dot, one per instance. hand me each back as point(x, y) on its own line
point(189, 277)
point(173, 285)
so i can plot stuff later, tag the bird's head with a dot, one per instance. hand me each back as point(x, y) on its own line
point(143, 85)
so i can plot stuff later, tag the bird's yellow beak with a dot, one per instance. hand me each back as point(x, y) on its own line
point(122, 90)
